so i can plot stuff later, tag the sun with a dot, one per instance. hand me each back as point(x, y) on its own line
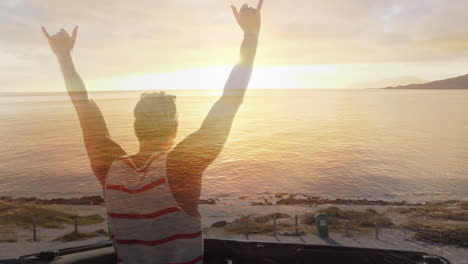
point(214, 78)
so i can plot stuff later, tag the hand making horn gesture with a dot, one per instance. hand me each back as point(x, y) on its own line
point(249, 18)
point(61, 43)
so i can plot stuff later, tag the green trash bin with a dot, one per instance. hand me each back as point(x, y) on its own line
point(321, 220)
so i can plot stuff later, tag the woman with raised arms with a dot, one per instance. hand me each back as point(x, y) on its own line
point(152, 196)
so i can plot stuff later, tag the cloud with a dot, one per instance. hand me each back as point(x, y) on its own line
point(121, 37)
point(367, 31)
point(116, 37)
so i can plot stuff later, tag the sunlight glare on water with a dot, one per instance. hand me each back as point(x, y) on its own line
point(377, 144)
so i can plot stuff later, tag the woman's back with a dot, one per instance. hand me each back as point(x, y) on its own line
point(146, 222)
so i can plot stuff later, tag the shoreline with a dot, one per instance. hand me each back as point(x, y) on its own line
point(276, 199)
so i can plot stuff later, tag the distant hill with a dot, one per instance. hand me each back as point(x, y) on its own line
point(401, 80)
point(460, 82)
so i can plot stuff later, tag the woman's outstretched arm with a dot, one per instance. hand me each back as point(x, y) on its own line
point(215, 128)
point(101, 149)
point(195, 153)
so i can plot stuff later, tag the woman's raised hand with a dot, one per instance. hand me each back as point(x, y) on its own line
point(61, 43)
point(249, 18)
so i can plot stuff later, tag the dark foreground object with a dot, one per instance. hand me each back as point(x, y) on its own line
point(236, 252)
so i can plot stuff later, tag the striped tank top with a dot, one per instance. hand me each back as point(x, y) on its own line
point(146, 223)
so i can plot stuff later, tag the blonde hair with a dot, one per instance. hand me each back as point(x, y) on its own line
point(155, 116)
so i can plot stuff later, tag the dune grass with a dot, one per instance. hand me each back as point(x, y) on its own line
point(440, 233)
point(269, 217)
point(447, 210)
point(463, 205)
point(357, 219)
point(8, 236)
point(8, 239)
point(255, 226)
point(23, 214)
point(443, 222)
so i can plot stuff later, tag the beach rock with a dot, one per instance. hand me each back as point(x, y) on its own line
point(219, 224)
point(78, 201)
point(265, 202)
point(26, 200)
point(280, 195)
point(85, 200)
point(69, 201)
point(94, 199)
point(311, 200)
point(284, 199)
point(6, 198)
point(261, 203)
point(208, 201)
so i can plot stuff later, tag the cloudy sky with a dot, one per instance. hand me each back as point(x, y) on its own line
point(191, 44)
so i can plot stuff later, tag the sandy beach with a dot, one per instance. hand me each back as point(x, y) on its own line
point(392, 237)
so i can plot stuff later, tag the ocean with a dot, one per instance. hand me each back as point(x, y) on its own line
point(392, 145)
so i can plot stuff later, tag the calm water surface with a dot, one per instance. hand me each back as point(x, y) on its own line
point(376, 144)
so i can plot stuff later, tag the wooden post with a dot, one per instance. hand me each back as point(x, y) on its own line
point(297, 226)
point(274, 225)
point(76, 226)
point(347, 228)
point(34, 229)
point(441, 244)
point(247, 228)
point(376, 230)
